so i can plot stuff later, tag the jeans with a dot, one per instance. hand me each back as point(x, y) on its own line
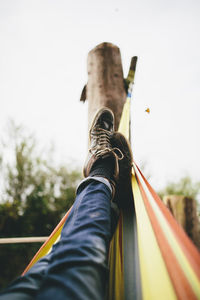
point(76, 268)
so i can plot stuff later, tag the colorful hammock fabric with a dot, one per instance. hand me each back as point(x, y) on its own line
point(150, 257)
point(169, 263)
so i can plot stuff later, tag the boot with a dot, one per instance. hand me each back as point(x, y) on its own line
point(102, 159)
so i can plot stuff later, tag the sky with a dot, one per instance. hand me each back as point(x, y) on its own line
point(43, 67)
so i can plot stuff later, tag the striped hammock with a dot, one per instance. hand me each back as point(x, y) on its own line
point(169, 263)
point(150, 255)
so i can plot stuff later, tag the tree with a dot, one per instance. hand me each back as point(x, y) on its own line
point(185, 186)
point(35, 194)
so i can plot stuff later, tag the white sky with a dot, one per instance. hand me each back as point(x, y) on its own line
point(43, 52)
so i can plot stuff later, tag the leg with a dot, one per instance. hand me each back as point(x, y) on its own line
point(27, 286)
point(81, 254)
point(78, 268)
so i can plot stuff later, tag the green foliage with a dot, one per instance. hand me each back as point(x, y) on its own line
point(35, 194)
point(185, 186)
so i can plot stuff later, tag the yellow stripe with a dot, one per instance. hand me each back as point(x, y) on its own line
point(47, 249)
point(180, 256)
point(156, 283)
point(131, 76)
point(125, 119)
point(116, 276)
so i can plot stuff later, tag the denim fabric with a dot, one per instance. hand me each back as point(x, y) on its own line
point(76, 268)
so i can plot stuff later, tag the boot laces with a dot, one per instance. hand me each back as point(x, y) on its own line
point(101, 145)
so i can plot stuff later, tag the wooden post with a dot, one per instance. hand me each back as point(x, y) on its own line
point(105, 85)
point(184, 210)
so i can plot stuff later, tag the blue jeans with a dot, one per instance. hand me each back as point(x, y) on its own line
point(76, 268)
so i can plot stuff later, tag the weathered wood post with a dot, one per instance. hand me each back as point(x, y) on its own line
point(105, 85)
point(184, 210)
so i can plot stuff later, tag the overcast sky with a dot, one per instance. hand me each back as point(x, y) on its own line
point(43, 52)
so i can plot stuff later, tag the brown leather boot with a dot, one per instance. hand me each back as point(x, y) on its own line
point(101, 131)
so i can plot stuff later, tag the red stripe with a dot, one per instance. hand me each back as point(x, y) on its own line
point(179, 281)
point(49, 238)
point(186, 244)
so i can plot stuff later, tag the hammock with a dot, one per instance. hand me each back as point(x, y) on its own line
point(169, 263)
point(150, 255)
